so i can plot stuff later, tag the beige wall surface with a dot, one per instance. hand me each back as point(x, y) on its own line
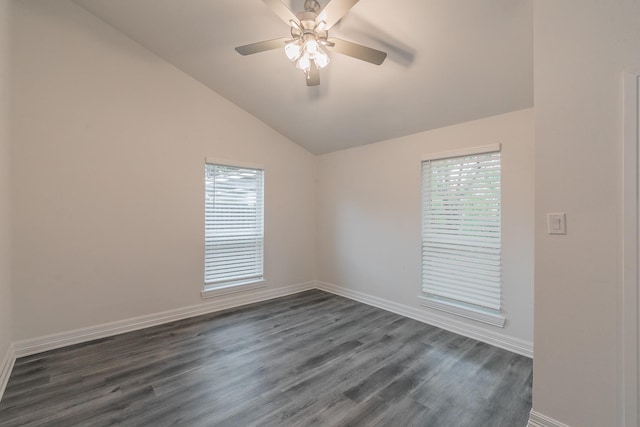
point(6, 329)
point(581, 50)
point(108, 177)
point(369, 215)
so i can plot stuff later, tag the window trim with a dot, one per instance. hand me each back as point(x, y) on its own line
point(458, 308)
point(230, 287)
point(233, 163)
point(471, 151)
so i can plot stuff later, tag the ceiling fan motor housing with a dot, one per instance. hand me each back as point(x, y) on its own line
point(308, 26)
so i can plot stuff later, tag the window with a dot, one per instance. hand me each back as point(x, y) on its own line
point(234, 226)
point(461, 243)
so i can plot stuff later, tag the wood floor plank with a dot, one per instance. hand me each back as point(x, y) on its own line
point(309, 359)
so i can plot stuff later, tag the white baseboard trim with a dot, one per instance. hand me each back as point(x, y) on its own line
point(6, 367)
point(538, 420)
point(54, 341)
point(497, 339)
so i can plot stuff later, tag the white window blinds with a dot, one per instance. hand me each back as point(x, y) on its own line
point(234, 225)
point(461, 241)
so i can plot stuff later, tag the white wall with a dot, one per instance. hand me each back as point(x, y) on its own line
point(108, 159)
point(581, 49)
point(107, 177)
point(6, 329)
point(370, 208)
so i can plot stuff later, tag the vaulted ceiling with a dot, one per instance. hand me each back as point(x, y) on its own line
point(449, 61)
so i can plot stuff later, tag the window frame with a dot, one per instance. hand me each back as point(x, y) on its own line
point(459, 308)
point(240, 285)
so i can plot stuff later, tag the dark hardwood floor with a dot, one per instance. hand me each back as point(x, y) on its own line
point(307, 359)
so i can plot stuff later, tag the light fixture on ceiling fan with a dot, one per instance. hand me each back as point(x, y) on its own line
point(310, 37)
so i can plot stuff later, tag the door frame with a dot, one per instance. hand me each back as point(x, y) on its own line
point(630, 319)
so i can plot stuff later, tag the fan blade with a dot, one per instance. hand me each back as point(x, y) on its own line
point(357, 51)
point(282, 11)
point(252, 48)
point(334, 11)
point(313, 76)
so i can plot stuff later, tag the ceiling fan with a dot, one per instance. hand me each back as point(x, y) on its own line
point(310, 37)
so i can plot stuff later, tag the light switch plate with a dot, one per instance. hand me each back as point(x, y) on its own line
point(557, 223)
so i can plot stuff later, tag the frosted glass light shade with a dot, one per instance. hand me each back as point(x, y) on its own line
point(311, 48)
point(303, 63)
point(293, 50)
point(321, 59)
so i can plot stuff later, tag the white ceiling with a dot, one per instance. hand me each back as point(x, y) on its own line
point(449, 61)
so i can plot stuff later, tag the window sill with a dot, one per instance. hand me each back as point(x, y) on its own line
point(216, 291)
point(480, 315)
